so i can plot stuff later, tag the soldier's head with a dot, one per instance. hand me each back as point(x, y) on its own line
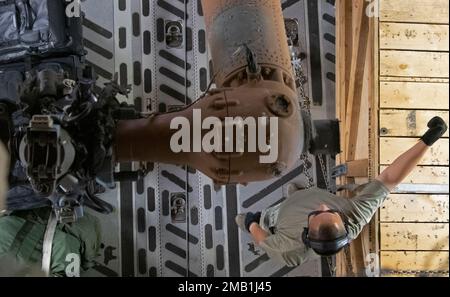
point(326, 233)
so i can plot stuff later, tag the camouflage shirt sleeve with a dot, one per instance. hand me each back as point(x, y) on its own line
point(365, 205)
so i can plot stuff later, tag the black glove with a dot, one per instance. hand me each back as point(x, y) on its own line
point(251, 218)
point(437, 129)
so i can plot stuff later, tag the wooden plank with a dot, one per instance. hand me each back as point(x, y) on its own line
point(351, 60)
point(413, 208)
point(391, 148)
point(421, 189)
point(358, 168)
point(414, 37)
point(414, 11)
point(411, 95)
point(344, 41)
point(418, 274)
point(426, 175)
point(413, 74)
point(360, 145)
point(374, 107)
point(414, 237)
point(432, 189)
point(414, 261)
point(414, 79)
point(414, 64)
point(412, 123)
point(358, 66)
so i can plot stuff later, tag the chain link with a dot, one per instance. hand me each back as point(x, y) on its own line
point(324, 170)
point(332, 268)
point(301, 80)
point(305, 105)
point(304, 158)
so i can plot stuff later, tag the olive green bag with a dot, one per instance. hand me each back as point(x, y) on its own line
point(22, 236)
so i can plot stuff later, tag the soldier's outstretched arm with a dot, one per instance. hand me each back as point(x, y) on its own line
point(404, 164)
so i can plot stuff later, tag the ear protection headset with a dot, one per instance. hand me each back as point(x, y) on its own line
point(325, 247)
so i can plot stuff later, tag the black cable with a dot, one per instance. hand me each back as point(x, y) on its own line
point(97, 204)
point(84, 113)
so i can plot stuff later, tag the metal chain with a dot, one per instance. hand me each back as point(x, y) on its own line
point(331, 267)
point(305, 105)
point(301, 80)
point(304, 158)
point(324, 170)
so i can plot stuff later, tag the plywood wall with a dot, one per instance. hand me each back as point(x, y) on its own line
point(413, 85)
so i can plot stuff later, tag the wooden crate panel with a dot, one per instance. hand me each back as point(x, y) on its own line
point(418, 274)
point(412, 123)
point(414, 261)
point(413, 72)
point(412, 95)
point(391, 148)
point(414, 37)
point(414, 79)
point(414, 237)
point(414, 64)
point(415, 208)
point(426, 175)
point(414, 11)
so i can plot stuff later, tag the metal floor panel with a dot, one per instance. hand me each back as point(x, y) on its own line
point(127, 37)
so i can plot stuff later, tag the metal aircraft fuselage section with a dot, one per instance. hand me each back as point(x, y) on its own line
point(176, 222)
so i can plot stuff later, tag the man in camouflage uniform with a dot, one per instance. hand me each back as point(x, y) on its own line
point(312, 223)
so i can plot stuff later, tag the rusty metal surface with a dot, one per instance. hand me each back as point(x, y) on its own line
point(148, 140)
point(258, 24)
point(254, 97)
